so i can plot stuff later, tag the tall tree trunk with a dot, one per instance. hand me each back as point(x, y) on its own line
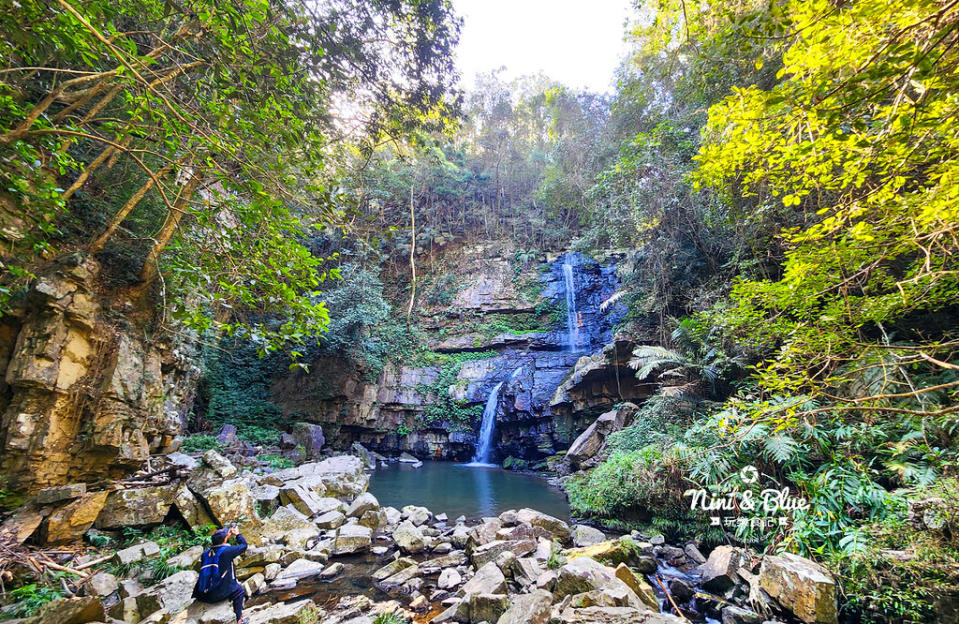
point(173, 217)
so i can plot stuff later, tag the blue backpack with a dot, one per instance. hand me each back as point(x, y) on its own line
point(210, 575)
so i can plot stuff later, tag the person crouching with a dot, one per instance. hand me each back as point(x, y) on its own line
point(217, 580)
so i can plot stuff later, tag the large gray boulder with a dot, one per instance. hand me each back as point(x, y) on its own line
point(173, 594)
point(591, 441)
point(719, 571)
point(310, 437)
point(148, 505)
point(352, 538)
point(532, 608)
point(800, 585)
point(587, 536)
point(554, 526)
point(409, 537)
point(615, 615)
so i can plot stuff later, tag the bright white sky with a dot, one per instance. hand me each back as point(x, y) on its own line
point(577, 42)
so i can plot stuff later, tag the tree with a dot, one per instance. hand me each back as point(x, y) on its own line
point(223, 111)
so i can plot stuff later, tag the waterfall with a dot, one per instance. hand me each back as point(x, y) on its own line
point(572, 326)
point(486, 429)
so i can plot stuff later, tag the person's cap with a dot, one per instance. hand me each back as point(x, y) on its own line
point(219, 536)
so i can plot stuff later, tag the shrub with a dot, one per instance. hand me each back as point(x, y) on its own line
point(200, 442)
point(277, 462)
point(29, 598)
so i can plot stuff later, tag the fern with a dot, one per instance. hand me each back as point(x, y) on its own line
point(780, 448)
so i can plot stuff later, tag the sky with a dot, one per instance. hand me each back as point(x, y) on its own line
point(577, 42)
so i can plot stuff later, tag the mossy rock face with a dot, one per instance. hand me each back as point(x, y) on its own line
point(610, 552)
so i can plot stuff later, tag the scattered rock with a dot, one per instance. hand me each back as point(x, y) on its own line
point(417, 515)
point(173, 594)
point(352, 538)
point(310, 437)
point(554, 526)
point(137, 552)
point(487, 607)
point(101, 585)
point(488, 579)
point(68, 522)
point(719, 571)
point(50, 495)
point(148, 505)
point(409, 538)
point(532, 608)
point(363, 503)
point(69, 611)
point(186, 559)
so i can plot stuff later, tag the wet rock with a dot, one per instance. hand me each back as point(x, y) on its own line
point(719, 571)
point(587, 536)
point(681, 590)
point(148, 505)
point(420, 604)
point(68, 522)
point(69, 611)
point(738, 615)
point(532, 608)
point(693, 553)
point(800, 585)
point(639, 586)
point(352, 538)
point(332, 570)
point(487, 607)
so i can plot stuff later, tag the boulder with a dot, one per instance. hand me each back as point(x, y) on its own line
point(299, 569)
point(352, 538)
point(449, 578)
point(363, 503)
point(582, 575)
point(639, 586)
point(173, 594)
point(186, 559)
point(737, 615)
point(400, 579)
point(232, 501)
point(137, 552)
point(719, 571)
point(409, 538)
point(487, 607)
point(365, 456)
point(330, 520)
point(532, 608)
point(591, 441)
point(192, 510)
point(586, 535)
point(68, 522)
point(22, 524)
point(182, 460)
point(69, 611)
point(554, 526)
point(375, 519)
point(213, 470)
point(301, 612)
point(800, 585)
point(101, 585)
point(284, 520)
point(416, 515)
point(337, 477)
point(50, 495)
point(489, 552)
point(488, 579)
point(613, 552)
point(148, 505)
point(392, 568)
point(310, 437)
point(227, 435)
point(615, 615)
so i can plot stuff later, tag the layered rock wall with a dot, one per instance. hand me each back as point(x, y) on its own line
point(86, 393)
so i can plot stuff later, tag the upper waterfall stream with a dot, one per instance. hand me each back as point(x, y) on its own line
point(485, 441)
point(572, 322)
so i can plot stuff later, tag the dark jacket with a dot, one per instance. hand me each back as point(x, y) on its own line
point(229, 584)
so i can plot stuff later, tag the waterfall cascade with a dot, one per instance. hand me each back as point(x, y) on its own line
point(485, 441)
point(572, 323)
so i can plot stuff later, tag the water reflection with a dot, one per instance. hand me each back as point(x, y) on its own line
point(456, 489)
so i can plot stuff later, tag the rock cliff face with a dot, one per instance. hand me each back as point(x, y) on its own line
point(516, 318)
point(86, 393)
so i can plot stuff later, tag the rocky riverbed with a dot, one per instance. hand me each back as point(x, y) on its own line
point(324, 550)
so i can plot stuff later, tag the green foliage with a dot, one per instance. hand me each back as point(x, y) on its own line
point(556, 559)
point(621, 486)
point(442, 407)
point(277, 462)
point(389, 618)
point(29, 598)
point(200, 442)
point(515, 463)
